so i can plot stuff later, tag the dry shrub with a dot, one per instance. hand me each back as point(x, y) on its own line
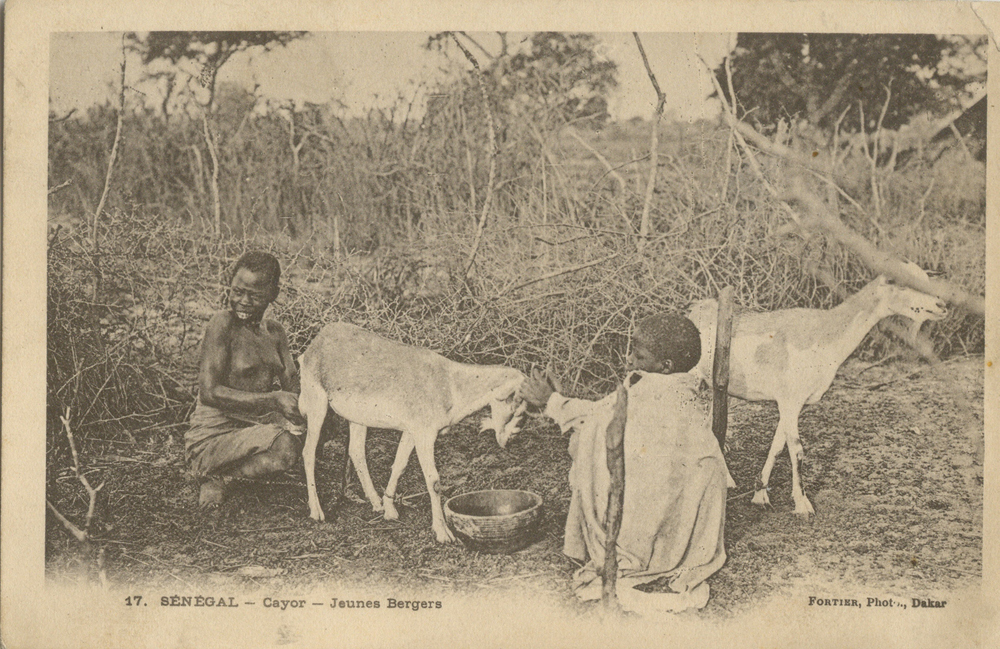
point(125, 320)
point(374, 222)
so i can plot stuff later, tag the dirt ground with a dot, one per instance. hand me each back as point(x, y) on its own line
point(893, 466)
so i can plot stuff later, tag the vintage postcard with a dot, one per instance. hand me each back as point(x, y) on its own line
point(499, 324)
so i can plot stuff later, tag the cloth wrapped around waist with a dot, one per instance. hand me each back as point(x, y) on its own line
point(217, 438)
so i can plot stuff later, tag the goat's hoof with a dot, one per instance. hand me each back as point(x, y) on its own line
point(804, 507)
point(444, 535)
point(391, 514)
point(317, 516)
point(760, 498)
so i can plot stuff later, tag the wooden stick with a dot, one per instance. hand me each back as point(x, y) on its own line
point(720, 366)
point(616, 497)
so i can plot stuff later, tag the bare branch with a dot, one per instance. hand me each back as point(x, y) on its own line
point(80, 535)
point(295, 148)
point(661, 99)
point(114, 154)
point(838, 93)
point(478, 46)
point(54, 120)
point(53, 190)
point(557, 273)
point(613, 172)
point(961, 140)
point(878, 260)
point(91, 491)
point(949, 119)
point(873, 158)
point(738, 128)
point(216, 205)
point(881, 117)
point(487, 204)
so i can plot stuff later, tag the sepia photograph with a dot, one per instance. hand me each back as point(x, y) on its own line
point(678, 332)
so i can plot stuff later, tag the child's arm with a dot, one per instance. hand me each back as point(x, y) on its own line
point(572, 414)
point(289, 374)
point(569, 414)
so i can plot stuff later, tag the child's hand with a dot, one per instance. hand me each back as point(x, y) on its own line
point(536, 389)
point(288, 405)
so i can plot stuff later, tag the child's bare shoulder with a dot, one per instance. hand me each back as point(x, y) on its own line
point(220, 321)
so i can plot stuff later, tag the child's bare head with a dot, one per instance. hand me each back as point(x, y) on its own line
point(262, 263)
point(665, 343)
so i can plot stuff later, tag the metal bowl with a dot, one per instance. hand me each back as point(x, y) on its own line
point(495, 521)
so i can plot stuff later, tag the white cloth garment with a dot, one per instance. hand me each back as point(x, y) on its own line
point(674, 508)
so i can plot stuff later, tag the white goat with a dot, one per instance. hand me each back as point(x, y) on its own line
point(371, 381)
point(791, 356)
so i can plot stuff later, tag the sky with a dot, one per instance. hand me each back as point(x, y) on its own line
point(371, 69)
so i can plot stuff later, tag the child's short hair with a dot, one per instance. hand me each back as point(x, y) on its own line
point(673, 337)
point(257, 261)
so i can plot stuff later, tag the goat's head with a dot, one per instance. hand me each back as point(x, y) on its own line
point(909, 303)
point(505, 418)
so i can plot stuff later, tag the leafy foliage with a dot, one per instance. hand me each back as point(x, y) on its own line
point(817, 77)
point(557, 78)
point(207, 47)
point(209, 50)
point(563, 72)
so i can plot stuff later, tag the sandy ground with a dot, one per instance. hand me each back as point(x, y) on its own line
point(893, 466)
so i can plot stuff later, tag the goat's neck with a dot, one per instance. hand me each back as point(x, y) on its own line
point(851, 321)
point(473, 387)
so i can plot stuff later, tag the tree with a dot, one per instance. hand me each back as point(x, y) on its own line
point(209, 50)
point(557, 78)
point(565, 73)
point(817, 77)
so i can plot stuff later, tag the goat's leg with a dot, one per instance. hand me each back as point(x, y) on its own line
point(778, 443)
point(424, 441)
point(402, 457)
point(356, 448)
point(312, 405)
point(795, 454)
